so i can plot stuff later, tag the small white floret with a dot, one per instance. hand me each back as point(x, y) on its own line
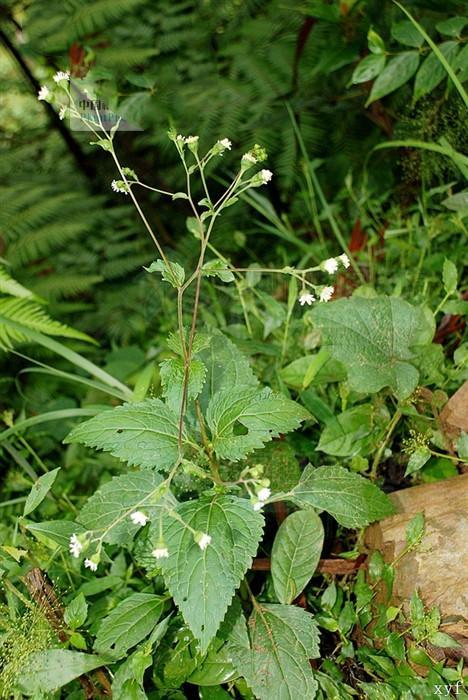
point(61, 75)
point(306, 299)
point(225, 143)
point(264, 494)
point(160, 553)
point(203, 541)
point(266, 175)
point(326, 293)
point(90, 564)
point(344, 260)
point(43, 93)
point(118, 186)
point(139, 518)
point(330, 266)
point(75, 546)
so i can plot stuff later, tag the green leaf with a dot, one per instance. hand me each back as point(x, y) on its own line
point(298, 371)
point(368, 68)
point(452, 26)
point(264, 414)
point(346, 434)
point(440, 639)
point(172, 380)
point(417, 460)
point(462, 446)
point(276, 662)
point(48, 670)
point(142, 434)
point(415, 530)
point(52, 532)
point(203, 582)
point(396, 73)
point(432, 72)
point(76, 612)
point(449, 276)
point(219, 269)
point(375, 42)
point(457, 202)
point(227, 368)
point(107, 512)
point(374, 339)
point(296, 553)
point(406, 33)
point(352, 500)
point(172, 273)
point(131, 621)
point(40, 490)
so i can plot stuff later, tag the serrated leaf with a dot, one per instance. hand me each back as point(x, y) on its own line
point(203, 582)
point(296, 553)
point(142, 434)
point(40, 490)
point(107, 512)
point(282, 640)
point(432, 72)
point(396, 73)
point(352, 500)
point(264, 414)
point(227, 367)
point(48, 670)
point(346, 434)
point(368, 68)
point(417, 460)
point(374, 339)
point(172, 273)
point(172, 379)
point(76, 612)
point(216, 268)
point(131, 621)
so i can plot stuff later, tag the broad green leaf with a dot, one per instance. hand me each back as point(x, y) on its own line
point(396, 73)
point(76, 612)
point(107, 512)
point(368, 68)
point(417, 460)
point(296, 373)
point(347, 434)
point(131, 621)
point(462, 446)
point(374, 339)
point(203, 582)
point(264, 414)
point(406, 33)
point(216, 268)
point(46, 671)
point(53, 532)
point(432, 72)
point(461, 64)
point(172, 379)
point(276, 662)
point(142, 434)
point(296, 553)
point(449, 276)
point(440, 639)
point(172, 273)
point(352, 500)
point(452, 26)
point(40, 490)
point(457, 202)
point(227, 367)
point(375, 42)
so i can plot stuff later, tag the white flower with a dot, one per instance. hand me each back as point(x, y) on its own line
point(326, 293)
point(75, 546)
point(43, 93)
point(225, 143)
point(160, 552)
point(306, 298)
point(202, 539)
point(266, 175)
point(119, 186)
point(344, 260)
point(330, 265)
point(62, 112)
point(257, 505)
point(249, 157)
point(139, 518)
point(90, 564)
point(264, 494)
point(190, 139)
point(180, 138)
point(61, 75)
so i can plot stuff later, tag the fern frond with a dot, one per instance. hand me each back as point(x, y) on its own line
point(10, 286)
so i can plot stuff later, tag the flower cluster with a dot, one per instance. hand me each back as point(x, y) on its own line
point(331, 265)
